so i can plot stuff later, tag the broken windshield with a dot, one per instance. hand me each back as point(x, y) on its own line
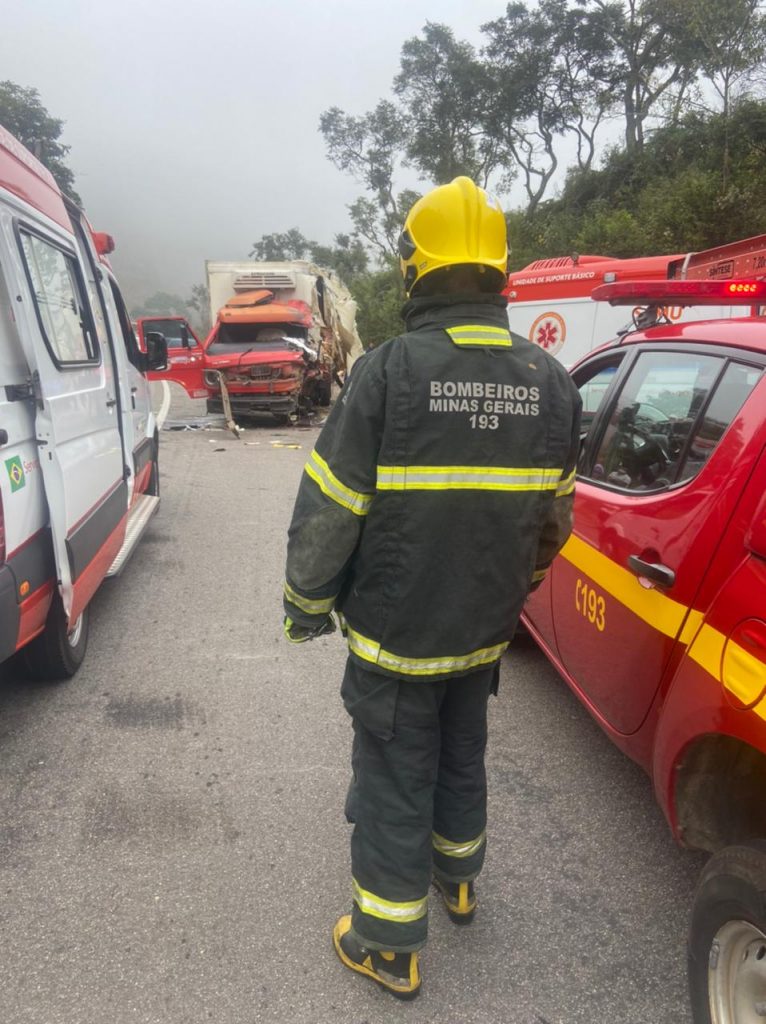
point(240, 337)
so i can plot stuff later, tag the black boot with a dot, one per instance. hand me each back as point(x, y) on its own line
point(459, 899)
point(397, 972)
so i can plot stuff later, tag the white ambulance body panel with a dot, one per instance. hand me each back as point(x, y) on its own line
point(550, 302)
point(78, 442)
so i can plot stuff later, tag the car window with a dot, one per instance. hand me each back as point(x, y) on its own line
point(173, 331)
point(593, 390)
point(593, 382)
point(728, 398)
point(646, 440)
point(60, 301)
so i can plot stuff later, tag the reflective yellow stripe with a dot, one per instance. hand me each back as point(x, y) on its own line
point(388, 910)
point(740, 672)
point(318, 607)
point(539, 574)
point(370, 650)
point(355, 501)
point(654, 607)
point(479, 334)
point(466, 478)
point(465, 849)
point(566, 485)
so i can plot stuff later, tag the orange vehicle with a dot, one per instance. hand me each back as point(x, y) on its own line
point(259, 352)
point(281, 333)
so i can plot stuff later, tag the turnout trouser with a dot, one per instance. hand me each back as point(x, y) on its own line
point(418, 796)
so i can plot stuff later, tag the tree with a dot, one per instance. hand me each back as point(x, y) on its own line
point(291, 245)
point(732, 36)
point(444, 87)
point(22, 113)
point(159, 304)
point(370, 147)
point(199, 303)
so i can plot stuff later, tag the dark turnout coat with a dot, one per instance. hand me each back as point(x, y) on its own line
point(439, 492)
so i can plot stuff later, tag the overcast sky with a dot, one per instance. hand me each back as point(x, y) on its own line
point(194, 126)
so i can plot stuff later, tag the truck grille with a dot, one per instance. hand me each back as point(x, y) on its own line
point(249, 374)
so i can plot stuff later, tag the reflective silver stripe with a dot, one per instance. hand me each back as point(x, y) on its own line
point(450, 849)
point(329, 484)
point(566, 485)
point(370, 650)
point(473, 478)
point(479, 334)
point(388, 910)
point(317, 607)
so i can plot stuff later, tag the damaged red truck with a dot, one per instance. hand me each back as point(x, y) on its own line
point(281, 333)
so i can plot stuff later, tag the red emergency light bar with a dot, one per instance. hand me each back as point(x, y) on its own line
point(681, 293)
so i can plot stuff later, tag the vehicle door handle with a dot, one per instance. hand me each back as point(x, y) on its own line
point(110, 402)
point(657, 573)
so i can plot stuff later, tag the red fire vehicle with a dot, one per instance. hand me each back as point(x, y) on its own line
point(655, 610)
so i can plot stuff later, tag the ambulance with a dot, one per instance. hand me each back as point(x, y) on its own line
point(79, 467)
point(549, 301)
point(654, 612)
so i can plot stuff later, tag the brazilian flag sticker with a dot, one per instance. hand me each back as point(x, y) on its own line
point(15, 473)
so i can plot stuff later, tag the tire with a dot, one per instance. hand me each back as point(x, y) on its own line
point(57, 653)
point(727, 942)
point(282, 419)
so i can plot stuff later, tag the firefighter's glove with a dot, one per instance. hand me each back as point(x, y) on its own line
point(298, 634)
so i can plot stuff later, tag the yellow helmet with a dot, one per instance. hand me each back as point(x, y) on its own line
point(454, 223)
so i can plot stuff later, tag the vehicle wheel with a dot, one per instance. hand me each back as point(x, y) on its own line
point(727, 943)
point(154, 476)
point(324, 392)
point(57, 652)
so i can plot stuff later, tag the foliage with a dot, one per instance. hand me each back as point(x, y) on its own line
point(379, 296)
point(672, 197)
point(22, 113)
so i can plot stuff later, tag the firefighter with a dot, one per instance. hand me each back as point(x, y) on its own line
point(439, 491)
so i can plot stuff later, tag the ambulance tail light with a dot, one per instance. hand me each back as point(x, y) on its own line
point(682, 293)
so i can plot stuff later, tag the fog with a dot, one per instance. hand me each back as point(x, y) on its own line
point(194, 126)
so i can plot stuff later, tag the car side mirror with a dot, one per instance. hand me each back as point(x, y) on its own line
point(156, 351)
point(755, 538)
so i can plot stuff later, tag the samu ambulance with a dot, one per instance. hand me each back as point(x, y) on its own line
point(79, 475)
point(654, 612)
point(549, 301)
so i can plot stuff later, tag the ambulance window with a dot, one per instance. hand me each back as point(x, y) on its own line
point(730, 395)
point(60, 302)
point(646, 439)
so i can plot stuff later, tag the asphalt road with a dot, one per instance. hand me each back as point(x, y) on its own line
point(172, 844)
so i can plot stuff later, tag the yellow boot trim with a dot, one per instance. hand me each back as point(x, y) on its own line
point(342, 927)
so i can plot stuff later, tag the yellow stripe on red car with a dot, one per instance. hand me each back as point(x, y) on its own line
point(729, 664)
